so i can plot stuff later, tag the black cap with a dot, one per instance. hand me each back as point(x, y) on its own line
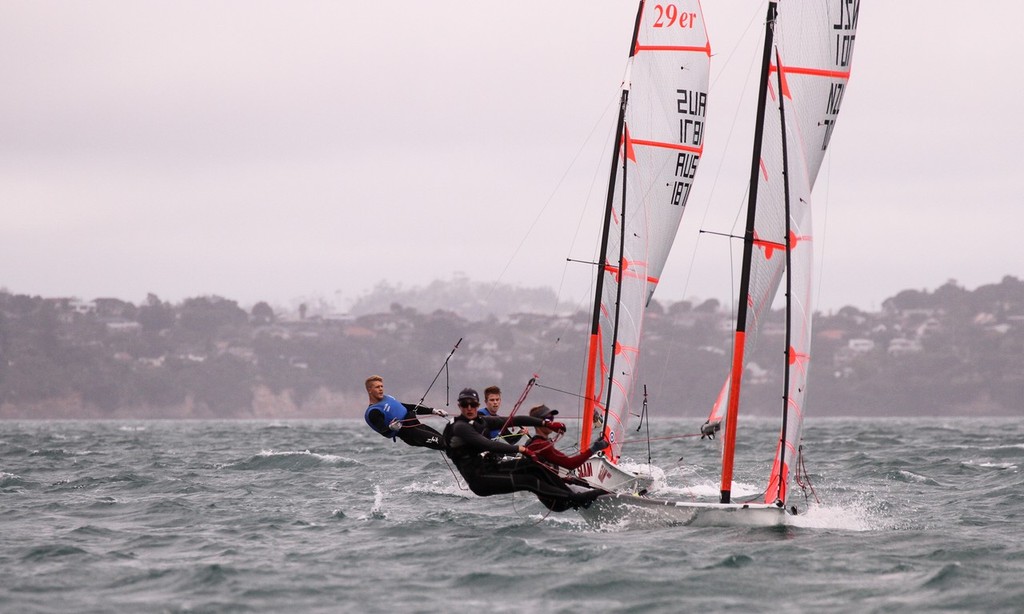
point(543, 411)
point(470, 394)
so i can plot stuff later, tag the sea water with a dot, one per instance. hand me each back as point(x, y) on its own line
point(327, 516)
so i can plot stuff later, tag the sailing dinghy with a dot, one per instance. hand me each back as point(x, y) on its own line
point(805, 67)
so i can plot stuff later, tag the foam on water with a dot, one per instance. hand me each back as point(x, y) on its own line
point(376, 511)
point(910, 476)
point(657, 474)
point(292, 459)
point(253, 516)
point(327, 458)
point(837, 517)
point(705, 489)
point(993, 465)
point(448, 488)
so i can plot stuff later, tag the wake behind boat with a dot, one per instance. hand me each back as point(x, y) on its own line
point(617, 508)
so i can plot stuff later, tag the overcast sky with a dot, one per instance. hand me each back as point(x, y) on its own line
point(284, 150)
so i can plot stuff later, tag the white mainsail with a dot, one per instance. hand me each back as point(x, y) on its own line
point(812, 47)
point(662, 137)
point(816, 45)
point(805, 66)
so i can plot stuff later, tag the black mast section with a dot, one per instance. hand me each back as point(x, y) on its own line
point(755, 168)
point(748, 234)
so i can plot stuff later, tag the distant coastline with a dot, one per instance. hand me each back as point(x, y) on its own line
point(947, 352)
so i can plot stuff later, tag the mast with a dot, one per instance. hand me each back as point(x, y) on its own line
point(593, 360)
point(729, 445)
point(618, 288)
point(789, 291)
point(594, 345)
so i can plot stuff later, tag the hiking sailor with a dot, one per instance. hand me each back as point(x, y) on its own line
point(479, 460)
point(543, 444)
point(390, 418)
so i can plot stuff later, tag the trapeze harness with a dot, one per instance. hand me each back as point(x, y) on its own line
point(392, 410)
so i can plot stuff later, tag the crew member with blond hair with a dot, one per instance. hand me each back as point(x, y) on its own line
point(393, 419)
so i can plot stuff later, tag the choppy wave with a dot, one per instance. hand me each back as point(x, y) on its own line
point(313, 516)
point(290, 460)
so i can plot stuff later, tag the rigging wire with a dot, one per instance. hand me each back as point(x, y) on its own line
point(645, 421)
point(447, 397)
point(824, 226)
point(550, 199)
point(803, 479)
point(519, 402)
point(447, 380)
point(662, 438)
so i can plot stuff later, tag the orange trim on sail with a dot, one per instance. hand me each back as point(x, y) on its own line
point(628, 144)
point(795, 239)
point(663, 145)
point(620, 349)
point(626, 270)
point(812, 72)
point(797, 358)
point(776, 491)
point(769, 246)
point(706, 49)
point(785, 83)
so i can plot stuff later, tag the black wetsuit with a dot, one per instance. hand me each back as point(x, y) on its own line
point(413, 432)
point(504, 434)
point(486, 475)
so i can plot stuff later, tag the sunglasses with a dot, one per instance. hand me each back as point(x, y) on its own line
point(465, 404)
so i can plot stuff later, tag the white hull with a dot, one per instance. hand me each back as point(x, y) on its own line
point(600, 473)
point(617, 509)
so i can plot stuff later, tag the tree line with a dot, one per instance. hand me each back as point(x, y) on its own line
point(950, 351)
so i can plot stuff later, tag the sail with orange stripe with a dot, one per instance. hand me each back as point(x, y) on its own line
point(659, 143)
point(815, 42)
point(806, 66)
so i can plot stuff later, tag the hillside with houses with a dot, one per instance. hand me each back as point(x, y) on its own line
point(950, 351)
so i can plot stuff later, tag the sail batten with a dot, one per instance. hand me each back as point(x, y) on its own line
point(815, 72)
point(706, 50)
point(678, 146)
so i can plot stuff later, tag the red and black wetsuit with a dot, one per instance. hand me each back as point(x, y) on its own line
point(487, 476)
point(547, 452)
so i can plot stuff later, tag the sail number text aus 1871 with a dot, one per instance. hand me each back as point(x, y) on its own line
point(686, 169)
point(669, 15)
point(691, 105)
